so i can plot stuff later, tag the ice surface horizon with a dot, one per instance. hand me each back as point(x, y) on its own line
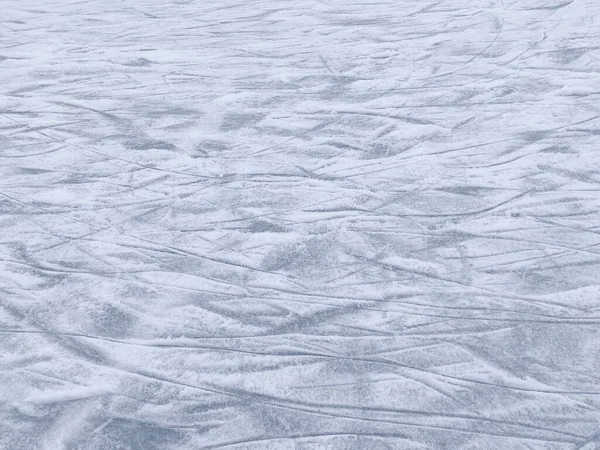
point(299, 225)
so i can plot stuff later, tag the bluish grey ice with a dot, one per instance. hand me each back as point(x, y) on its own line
point(345, 225)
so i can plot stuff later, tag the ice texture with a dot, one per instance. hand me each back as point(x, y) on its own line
point(341, 224)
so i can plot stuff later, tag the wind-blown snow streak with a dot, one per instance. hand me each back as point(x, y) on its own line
point(299, 224)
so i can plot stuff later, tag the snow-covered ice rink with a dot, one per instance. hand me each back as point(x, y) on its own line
point(277, 224)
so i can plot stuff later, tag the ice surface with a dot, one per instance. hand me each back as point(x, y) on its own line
point(299, 224)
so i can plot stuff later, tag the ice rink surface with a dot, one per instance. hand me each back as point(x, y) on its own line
point(299, 225)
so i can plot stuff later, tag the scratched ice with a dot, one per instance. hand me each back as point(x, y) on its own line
point(301, 225)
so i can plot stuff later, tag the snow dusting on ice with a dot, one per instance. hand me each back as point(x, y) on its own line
point(357, 224)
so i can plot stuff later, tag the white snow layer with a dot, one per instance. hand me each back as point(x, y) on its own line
point(299, 224)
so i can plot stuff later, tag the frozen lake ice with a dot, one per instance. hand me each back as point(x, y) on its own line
point(299, 224)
